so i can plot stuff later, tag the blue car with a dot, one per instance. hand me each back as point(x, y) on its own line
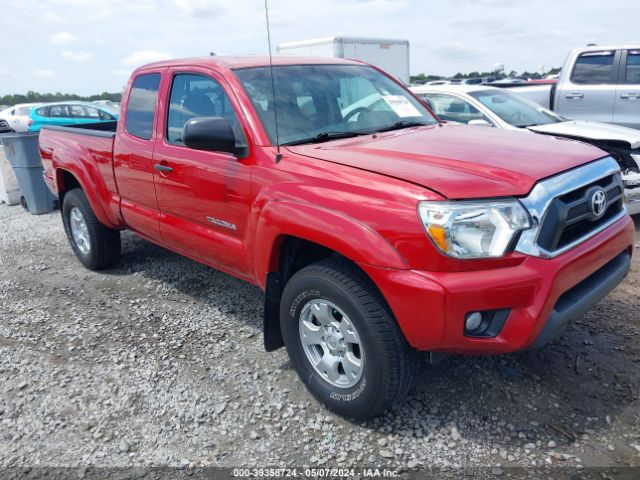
point(69, 113)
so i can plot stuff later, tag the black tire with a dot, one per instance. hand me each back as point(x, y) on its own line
point(104, 242)
point(389, 361)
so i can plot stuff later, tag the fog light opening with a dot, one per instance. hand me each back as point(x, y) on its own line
point(473, 322)
point(486, 323)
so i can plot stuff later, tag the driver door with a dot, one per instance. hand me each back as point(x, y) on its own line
point(204, 197)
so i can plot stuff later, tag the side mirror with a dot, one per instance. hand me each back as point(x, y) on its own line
point(213, 134)
point(479, 123)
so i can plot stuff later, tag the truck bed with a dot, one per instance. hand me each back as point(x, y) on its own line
point(98, 129)
point(86, 152)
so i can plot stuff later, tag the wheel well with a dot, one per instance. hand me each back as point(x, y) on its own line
point(66, 181)
point(297, 253)
point(290, 255)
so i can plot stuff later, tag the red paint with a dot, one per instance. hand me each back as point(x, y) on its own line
point(357, 197)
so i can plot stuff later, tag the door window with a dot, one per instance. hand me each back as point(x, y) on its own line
point(105, 116)
point(194, 96)
point(58, 111)
point(92, 112)
point(593, 68)
point(633, 67)
point(78, 111)
point(142, 105)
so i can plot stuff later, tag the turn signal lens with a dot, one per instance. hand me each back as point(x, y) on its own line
point(439, 236)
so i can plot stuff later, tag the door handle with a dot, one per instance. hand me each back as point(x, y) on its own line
point(162, 168)
point(574, 95)
point(630, 96)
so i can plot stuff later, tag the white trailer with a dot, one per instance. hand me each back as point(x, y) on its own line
point(391, 55)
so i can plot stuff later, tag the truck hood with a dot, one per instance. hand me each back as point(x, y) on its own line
point(458, 161)
point(592, 131)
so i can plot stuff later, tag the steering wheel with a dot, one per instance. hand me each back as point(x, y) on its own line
point(355, 111)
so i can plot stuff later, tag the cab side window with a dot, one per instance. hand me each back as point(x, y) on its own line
point(142, 106)
point(633, 67)
point(194, 95)
point(593, 68)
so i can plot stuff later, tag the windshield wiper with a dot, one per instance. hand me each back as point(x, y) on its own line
point(402, 124)
point(325, 137)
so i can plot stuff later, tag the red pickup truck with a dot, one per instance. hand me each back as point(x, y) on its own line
point(375, 230)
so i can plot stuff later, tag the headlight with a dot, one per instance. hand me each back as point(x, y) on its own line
point(473, 229)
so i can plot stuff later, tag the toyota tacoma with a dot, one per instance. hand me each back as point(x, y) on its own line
point(374, 229)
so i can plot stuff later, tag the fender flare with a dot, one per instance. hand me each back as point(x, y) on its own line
point(341, 233)
point(99, 196)
point(347, 236)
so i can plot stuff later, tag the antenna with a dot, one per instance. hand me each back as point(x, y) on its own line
point(273, 84)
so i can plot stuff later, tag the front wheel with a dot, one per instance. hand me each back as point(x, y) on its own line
point(343, 341)
point(96, 246)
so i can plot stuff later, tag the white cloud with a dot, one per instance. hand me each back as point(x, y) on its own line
point(142, 57)
point(77, 57)
point(44, 73)
point(63, 38)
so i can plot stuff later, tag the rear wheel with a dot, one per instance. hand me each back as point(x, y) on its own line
point(343, 341)
point(95, 245)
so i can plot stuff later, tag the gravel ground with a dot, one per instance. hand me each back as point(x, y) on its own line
point(159, 362)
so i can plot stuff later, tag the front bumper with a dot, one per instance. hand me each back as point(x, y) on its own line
point(632, 192)
point(544, 295)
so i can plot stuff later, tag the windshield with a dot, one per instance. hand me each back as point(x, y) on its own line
point(514, 109)
point(321, 102)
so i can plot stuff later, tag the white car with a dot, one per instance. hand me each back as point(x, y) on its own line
point(107, 103)
point(18, 116)
point(494, 107)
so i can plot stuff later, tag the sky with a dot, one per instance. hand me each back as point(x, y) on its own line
point(91, 46)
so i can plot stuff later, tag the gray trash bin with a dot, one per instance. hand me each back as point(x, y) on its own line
point(21, 149)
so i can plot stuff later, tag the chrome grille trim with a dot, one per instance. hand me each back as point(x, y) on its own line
point(538, 201)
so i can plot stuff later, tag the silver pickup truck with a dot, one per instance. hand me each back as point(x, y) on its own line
point(596, 83)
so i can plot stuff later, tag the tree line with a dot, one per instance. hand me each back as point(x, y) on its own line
point(460, 76)
point(37, 97)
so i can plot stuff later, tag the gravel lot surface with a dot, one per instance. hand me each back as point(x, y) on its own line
point(159, 362)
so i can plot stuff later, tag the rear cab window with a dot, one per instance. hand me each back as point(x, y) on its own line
point(142, 105)
point(632, 74)
point(594, 68)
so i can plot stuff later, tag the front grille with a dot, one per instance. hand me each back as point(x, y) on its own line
point(569, 217)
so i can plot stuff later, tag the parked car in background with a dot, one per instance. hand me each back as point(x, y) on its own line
point(69, 113)
point(348, 221)
point(495, 107)
point(107, 103)
point(596, 83)
point(438, 82)
point(18, 116)
point(4, 126)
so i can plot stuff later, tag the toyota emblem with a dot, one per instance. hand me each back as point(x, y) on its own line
point(598, 203)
